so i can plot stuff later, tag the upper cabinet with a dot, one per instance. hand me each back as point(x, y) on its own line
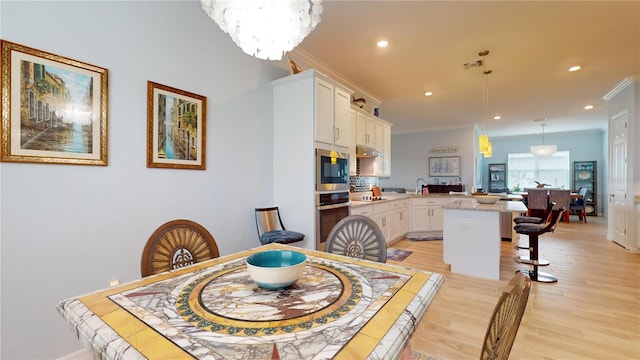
point(365, 129)
point(332, 118)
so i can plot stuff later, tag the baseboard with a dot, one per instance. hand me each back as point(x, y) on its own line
point(78, 355)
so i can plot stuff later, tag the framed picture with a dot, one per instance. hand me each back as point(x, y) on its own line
point(176, 128)
point(444, 166)
point(54, 109)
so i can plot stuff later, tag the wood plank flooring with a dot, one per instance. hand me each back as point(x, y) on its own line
point(592, 312)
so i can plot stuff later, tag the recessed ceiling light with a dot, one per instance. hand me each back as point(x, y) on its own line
point(428, 93)
point(382, 43)
point(497, 117)
point(575, 68)
point(588, 107)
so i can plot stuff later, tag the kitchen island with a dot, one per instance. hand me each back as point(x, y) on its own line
point(472, 236)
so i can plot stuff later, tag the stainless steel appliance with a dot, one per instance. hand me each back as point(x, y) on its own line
point(331, 207)
point(332, 170)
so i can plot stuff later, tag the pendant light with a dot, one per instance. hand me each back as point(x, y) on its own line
point(485, 147)
point(543, 150)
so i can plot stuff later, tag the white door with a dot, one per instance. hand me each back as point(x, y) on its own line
point(618, 215)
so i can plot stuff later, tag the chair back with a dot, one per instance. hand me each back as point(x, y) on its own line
point(584, 193)
point(176, 244)
point(537, 199)
point(268, 219)
point(562, 198)
point(359, 237)
point(505, 320)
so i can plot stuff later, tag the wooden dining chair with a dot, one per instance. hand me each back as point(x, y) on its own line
point(537, 200)
point(176, 244)
point(357, 236)
point(503, 324)
point(505, 320)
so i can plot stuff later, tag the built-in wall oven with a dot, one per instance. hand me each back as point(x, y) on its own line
point(331, 207)
point(332, 170)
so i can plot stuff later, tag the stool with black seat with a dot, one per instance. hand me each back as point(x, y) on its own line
point(525, 259)
point(534, 231)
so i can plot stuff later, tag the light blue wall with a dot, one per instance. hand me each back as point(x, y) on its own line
point(409, 153)
point(68, 230)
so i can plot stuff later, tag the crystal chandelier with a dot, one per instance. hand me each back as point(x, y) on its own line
point(265, 29)
point(543, 150)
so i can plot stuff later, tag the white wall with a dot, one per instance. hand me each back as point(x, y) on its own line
point(67, 230)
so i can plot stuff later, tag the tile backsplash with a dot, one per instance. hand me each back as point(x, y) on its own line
point(363, 183)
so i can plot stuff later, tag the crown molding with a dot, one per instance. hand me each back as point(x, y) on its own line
point(621, 86)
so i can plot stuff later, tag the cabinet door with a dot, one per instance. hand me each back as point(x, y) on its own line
point(419, 218)
point(371, 132)
point(394, 225)
point(361, 128)
point(436, 219)
point(353, 161)
point(324, 111)
point(342, 118)
point(403, 226)
point(379, 134)
point(386, 168)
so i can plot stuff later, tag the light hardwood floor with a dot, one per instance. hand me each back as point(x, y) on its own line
point(592, 312)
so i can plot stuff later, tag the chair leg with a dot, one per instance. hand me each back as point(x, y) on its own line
point(534, 274)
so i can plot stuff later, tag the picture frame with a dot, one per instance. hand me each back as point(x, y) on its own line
point(54, 108)
point(444, 166)
point(176, 128)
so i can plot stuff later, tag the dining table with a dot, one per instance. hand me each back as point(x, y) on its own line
point(340, 308)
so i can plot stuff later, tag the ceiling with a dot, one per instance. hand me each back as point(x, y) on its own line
point(532, 44)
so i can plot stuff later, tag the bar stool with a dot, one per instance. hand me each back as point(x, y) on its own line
point(533, 231)
point(525, 259)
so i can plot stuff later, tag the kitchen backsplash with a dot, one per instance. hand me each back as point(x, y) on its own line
point(363, 183)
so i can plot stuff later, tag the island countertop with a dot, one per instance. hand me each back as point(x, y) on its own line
point(472, 204)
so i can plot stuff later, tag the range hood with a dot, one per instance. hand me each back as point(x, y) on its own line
point(366, 152)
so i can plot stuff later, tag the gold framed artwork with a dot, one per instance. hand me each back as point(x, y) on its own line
point(176, 128)
point(54, 109)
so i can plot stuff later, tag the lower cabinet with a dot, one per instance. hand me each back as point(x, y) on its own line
point(391, 216)
point(427, 215)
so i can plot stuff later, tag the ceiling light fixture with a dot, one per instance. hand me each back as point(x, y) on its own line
point(428, 93)
point(382, 43)
point(265, 29)
point(588, 107)
point(484, 144)
point(497, 117)
point(543, 150)
point(575, 68)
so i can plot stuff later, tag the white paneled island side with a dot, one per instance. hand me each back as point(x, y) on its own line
point(472, 236)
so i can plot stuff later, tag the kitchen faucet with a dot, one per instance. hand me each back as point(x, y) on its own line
point(418, 187)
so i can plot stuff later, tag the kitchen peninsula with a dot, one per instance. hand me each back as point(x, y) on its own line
point(472, 236)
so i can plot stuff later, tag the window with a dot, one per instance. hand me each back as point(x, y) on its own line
point(523, 170)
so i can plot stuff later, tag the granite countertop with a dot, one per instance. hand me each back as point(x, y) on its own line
point(472, 204)
point(386, 197)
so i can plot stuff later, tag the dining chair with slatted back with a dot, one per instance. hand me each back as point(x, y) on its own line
point(176, 244)
point(505, 320)
point(562, 198)
point(580, 205)
point(357, 236)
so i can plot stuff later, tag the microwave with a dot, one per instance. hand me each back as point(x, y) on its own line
point(332, 170)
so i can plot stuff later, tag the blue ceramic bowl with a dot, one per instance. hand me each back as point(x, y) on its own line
point(276, 269)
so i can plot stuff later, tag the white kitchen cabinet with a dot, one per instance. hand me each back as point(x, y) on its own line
point(297, 123)
point(332, 118)
point(427, 215)
point(365, 129)
point(391, 216)
point(378, 143)
point(353, 161)
point(383, 163)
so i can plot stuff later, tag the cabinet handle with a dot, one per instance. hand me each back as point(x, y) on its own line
point(336, 133)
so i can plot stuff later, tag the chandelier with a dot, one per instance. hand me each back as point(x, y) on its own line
point(543, 150)
point(265, 29)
